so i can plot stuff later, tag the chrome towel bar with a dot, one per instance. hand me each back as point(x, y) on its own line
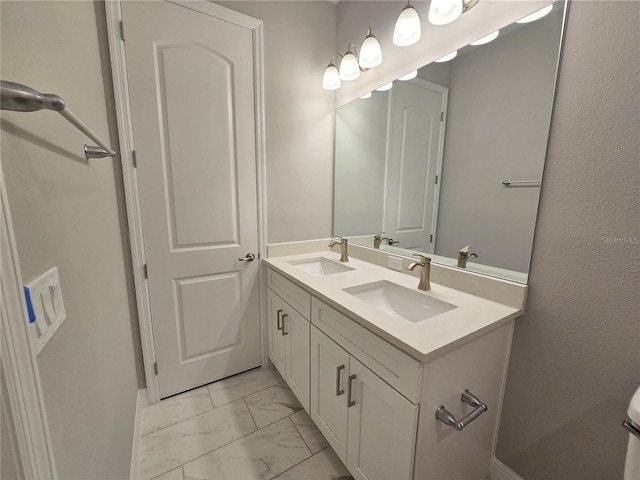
point(20, 98)
point(522, 183)
point(469, 398)
point(631, 428)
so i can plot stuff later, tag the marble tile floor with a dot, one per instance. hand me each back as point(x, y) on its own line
point(246, 427)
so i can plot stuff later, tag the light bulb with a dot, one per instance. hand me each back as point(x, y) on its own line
point(370, 52)
point(447, 57)
point(409, 76)
point(442, 12)
point(536, 15)
point(386, 87)
point(365, 96)
point(407, 30)
point(331, 78)
point(349, 68)
point(487, 38)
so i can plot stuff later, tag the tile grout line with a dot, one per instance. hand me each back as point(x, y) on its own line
point(299, 432)
point(250, 414)
point(308, 458)
point(175, 423)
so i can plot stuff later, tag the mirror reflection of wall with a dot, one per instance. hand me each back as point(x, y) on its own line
point(496, 116)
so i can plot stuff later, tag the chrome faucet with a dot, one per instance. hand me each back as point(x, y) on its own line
point(378, 239)
point(464, 254)
point(425, 271)
point(343, 248)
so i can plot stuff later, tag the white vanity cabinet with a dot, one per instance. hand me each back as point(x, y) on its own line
point(288, 308)
point(369, 425)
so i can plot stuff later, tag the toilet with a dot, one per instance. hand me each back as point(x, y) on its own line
point(632, 466)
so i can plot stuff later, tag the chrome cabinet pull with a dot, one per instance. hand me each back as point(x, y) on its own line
point(350, 403)
point(278, 321)
point(631, 428)
point(469, 398)
point(339, 391)
point(283, 324)
point(249, 257)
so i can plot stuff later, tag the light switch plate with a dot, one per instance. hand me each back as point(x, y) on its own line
point(47, 306)
point(394, 263)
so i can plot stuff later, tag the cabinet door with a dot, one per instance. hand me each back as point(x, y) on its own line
point(296, 330)
point(329, 374)
point(275, 339)
point(382, 428)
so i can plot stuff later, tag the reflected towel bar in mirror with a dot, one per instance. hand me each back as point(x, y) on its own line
point(20, 98)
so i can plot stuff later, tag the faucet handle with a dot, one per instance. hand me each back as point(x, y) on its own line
point(465, 250)
point(423, 259)
point(378, 236)
point(342, 239)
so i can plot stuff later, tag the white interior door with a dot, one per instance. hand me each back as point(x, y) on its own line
point(191, 85)
point(416, 147)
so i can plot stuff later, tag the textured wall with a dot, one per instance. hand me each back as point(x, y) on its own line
point(575, 357)
point(299, 38)
point(65, 213)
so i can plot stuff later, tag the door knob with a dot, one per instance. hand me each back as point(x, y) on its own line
point(249, 257)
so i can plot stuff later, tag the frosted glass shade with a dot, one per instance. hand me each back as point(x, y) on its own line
point(442, 12)
point(386, 87)
point(407, 30)
point(349, 68)
point(487, 38)
point(536, 15)
point(331, 78)
point(409, 76)
point(447, 57)
point(370, 52)
point(365, 96)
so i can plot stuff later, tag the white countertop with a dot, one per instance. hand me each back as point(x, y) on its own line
point(423, 340)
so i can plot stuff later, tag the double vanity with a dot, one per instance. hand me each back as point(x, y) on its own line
point(372, 359)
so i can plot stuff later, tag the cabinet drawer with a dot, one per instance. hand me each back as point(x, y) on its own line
point(290, 293)
point(394, 366)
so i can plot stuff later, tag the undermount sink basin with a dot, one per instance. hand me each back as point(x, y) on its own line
point(320, 266)
point(399, 301)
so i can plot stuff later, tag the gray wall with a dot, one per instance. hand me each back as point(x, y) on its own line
point(575, 356)
point(299, 38)
point(65, 213)
point(499, 111)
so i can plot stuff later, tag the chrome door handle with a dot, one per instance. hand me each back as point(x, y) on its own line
point(278, 320)
point(339, 391)
point(469, 398)
point(249, 257)
point(283, 331)
point(350, 403)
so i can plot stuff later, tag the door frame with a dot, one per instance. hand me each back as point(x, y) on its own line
point(19, 364)
point(125, 131)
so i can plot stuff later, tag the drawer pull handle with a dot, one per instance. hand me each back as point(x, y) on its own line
point(350, 403)
point(283, 324)
point(469, 398)
point(279, 326)
point(339, 391)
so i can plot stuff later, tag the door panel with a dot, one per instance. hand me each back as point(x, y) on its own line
point(328, 408)
point(297, 331)
point(382, 429)
point(275, 339)
point(191, 83)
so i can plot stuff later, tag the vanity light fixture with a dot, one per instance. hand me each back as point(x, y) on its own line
point(447, 57)
point(536, 15)
point(331, 77)
point(370, 51)
point(407, 30)
point(442, 12)
point(365, 96)
point(409, 76)
point(384, 88)
point(486, 39)
point(349, 66)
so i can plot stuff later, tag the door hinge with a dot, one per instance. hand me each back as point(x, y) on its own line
point(155, 368)
point(146, 271)
point(441, 113)
point(134, 158)
point(431, 238)
point(436, 179)
point(121, 30)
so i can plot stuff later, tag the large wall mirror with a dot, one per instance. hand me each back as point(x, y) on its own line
point(454, 156)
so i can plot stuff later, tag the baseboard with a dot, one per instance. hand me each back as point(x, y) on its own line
point(499, 471)
point(141, 402)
